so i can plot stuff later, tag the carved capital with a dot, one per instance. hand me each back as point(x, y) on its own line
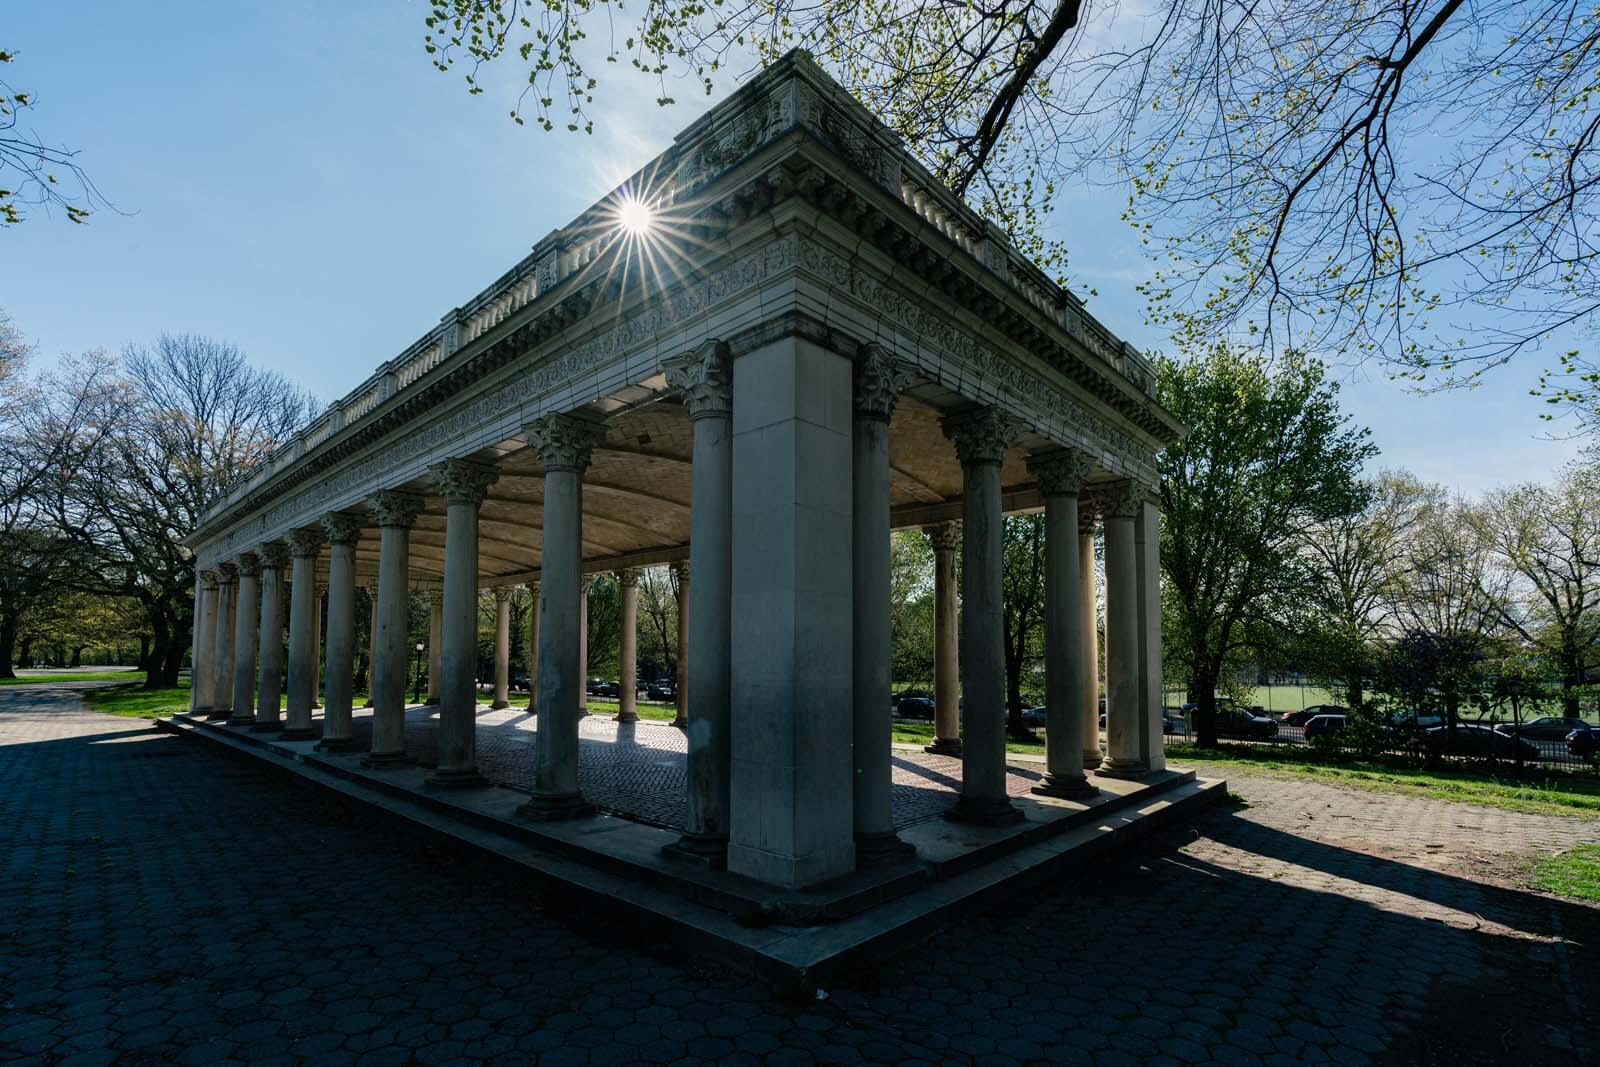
point(980, 435)
point(680, 569)
point(307, 541)
point(878, 382)
point(586, 583)
point(628, 578)
point(706, 379)
point(502, 594)
point(208, 580)
point(1061, 472)
point(463, 481)
point(249, 565)
point(394, 507)
point(944, 536)
point(1088, 514)
point(564, 442)
point(343, 527)
point(227, 573)
point(1122, 500)
point(274, 555)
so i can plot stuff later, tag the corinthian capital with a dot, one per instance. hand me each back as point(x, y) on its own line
point(878, 382)
point(306, 542)
point(980, 435)
point(208, 579)
point(274, 555)
point(343, 527)
point(1121, 500)
point(944, 536)
point(1061, 472)
point(249, 564)
point(392, 507)
point(564, 442)
point(463, 481)
point(227, 573)
point(706, 379)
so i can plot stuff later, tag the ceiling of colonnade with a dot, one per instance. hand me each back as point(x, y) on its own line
point(636, 491)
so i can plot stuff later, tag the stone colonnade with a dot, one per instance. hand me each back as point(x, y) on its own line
point(798, 790)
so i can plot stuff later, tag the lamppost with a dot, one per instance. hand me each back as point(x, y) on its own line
point(416, 695)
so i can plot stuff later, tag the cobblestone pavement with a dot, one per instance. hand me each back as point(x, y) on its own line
point(163, 901)
point(638, 770)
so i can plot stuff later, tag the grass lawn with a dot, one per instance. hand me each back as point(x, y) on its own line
point(1541, 794)
point(138, 702)
point(916, 733)
point(1573, 874)
point(73, 676)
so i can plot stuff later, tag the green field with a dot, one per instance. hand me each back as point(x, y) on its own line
point(1273, 698)
point(1573, 874)
point(56, 677)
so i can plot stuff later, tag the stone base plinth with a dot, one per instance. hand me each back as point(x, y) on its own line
point(883, 850)
point(984, 813)
point(1079, 788)
point(700, 850)
point(459, 778)
point(945, 746)
point(555, 807)
point(1130, 770)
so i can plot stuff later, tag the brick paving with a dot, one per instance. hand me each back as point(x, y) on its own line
point(161, 901)
point(637, 770)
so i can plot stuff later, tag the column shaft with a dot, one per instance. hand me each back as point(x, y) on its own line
point(980, 440)
point(946, 656)
point(269, 647)
point(372, 637)
point(302, 649)
point(1089, 621)
point(316, 647)
point(1152, 696)
point(395, 512)
point(1060, 476)
point(464, 486)
point(202, 672)
point(246, 634)
point(336, 718)
point(628, 648)
point(222, 656)
point(502, 648)
point(1124, 744)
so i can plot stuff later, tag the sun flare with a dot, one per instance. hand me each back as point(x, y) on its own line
point(635, 217)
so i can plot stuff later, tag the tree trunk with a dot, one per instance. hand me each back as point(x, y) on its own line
point(1014, 724)
point(8, 644)
point(77, 656)
point(159, 651)
point(25, 653)
point(1203, 692)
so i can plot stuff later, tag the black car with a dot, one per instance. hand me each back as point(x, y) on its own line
point(1584, 743)
point(1234, 721)
point(1323, 725)
point(1034, 716)
point(662, 691)
point(1545, 728)
point(1478, 742)
point(1305, 715)
point(914, 708)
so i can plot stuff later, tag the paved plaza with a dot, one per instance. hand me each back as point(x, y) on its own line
point(165, 902)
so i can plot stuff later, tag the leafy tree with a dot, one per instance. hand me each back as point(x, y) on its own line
point(1268, 454)
point(31, 170)
point(658, 623)
point(1547, 540)
point(1410, 180)
point(911, 650)
point(1022, 586)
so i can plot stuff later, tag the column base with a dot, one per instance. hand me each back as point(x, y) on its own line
point(368, 704)
point(682, 724)
point(201, 713)
point(1065, 788)
point(709, 851)
point(1092, 760)
point(336, 744)
point(456, 778)
point(265, 727)
point(297, 733)
point(382, 761)
point(984, 812)
point(499, 705)
point(627, 716)
point(945, 746)
point(220, 715)
point(1123, 768)
point(883, 850)
point(247, 719)
point(551, 807)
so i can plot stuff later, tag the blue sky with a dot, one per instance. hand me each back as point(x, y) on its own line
point(302, 182)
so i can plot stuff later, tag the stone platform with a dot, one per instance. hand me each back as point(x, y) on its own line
point(634, 775)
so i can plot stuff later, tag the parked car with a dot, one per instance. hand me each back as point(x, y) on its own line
point(1233, 720)
point(914, 708)
point(519, 681)
point(1584, 743)
point(1033, 716)
point(1172, 724)
point(1300, 718)
point(593, 687)
point(1323, 725)
point(1477, 741)
point(904, 693)
point(1412, 720)
point(662, 691)
point(1545, 728)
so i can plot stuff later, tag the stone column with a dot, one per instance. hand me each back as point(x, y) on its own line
point(1089, 621)
point(343, 530)
point(628, 647)
point(878, 384)
point(680, 717)
point(435, 642)
point(464, 484)
point(791, 806)
point(222, 657)
point(372, 637)
point(946, 539)
point(1061, 475)
point(305, 545)
point(706, 380)
point(980, 438)
point(196, 631)
point(269, 635)
point(502, 647)
point(1125, 756)
point(585, 585)
point(246, 633)
point(316, 645)
point(533, 641)
point(395, 513)
point(1147, 535)
point(564, 444)
point(202, 671)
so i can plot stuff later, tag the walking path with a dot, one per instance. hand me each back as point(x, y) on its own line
point(160, 901)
